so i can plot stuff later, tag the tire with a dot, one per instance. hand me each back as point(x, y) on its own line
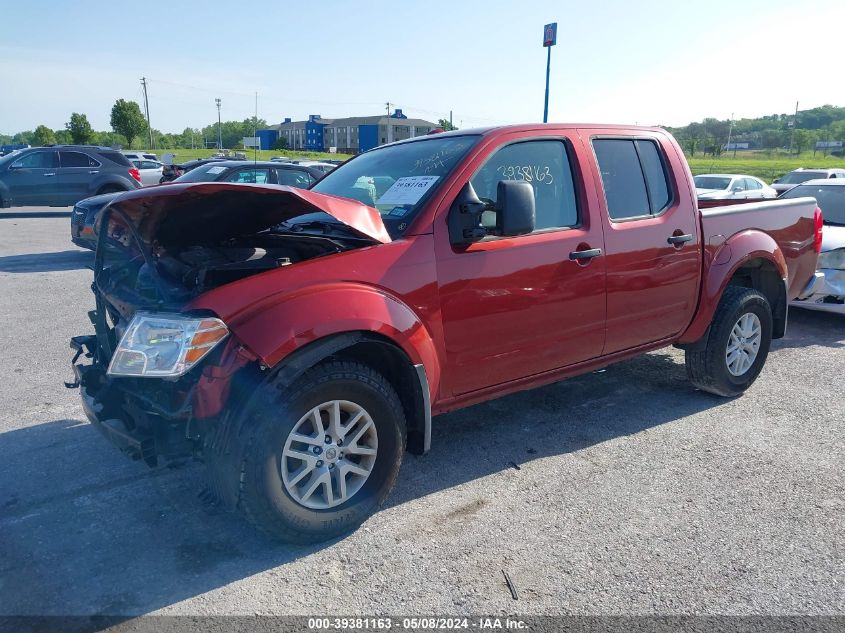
point(109, 189)
point(709, 369)
point(270, 502)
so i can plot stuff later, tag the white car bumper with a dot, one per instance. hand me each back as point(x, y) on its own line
point(826, 292)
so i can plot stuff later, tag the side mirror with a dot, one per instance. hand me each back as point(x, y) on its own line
point(465, 217)
point(515, 208)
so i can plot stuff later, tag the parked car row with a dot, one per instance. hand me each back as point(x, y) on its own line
point(744, 187)
point(84, 215)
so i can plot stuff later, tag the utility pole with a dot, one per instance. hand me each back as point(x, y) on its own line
point(219, 128)
point(451, 127)
point(730, 130)
point(147, 111)
point(255, 129)
point(388, 122)
point(794, 125)
point(549, 40)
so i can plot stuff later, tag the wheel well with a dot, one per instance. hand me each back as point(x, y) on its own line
point(386, 357)
point(762, 275)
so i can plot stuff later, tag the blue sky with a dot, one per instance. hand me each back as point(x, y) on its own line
point(645, 62)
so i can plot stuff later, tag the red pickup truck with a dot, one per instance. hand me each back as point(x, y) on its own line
point(299, 341)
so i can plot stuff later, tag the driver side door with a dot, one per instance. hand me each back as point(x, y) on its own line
point(513, 307)
point(32, 179)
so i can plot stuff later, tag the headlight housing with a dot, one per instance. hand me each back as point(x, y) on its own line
point(165, 345)
point(834, 259)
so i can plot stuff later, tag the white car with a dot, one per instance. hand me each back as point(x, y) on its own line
point(150, 170)
point(732, 187)
point(828, 289)
point(315, 164)
point(139, 155)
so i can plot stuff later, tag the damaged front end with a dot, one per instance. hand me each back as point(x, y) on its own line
point(156, 376)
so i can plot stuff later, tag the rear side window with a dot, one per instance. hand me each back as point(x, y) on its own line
point(116, 157)
point(294, 178)
point(634, 177)
point(77, 159)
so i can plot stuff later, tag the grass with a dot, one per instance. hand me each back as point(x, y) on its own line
point(760, 164)
point(183, 155)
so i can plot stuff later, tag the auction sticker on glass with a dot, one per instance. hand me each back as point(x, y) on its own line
point(407, 190)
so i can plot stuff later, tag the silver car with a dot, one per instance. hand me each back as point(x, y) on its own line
point(150, 170)
point(732, 187)
point(828, 290)
point(797, 176)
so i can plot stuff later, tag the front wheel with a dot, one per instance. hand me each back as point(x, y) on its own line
point(323, 453)
point(739, 341)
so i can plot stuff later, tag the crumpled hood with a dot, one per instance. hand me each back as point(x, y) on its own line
point(833, 237)
point(213, 211)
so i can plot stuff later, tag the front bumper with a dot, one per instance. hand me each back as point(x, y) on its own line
point(825, 292)
point(137, 423)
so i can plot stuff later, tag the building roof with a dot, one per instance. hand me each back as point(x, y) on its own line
point(358, 120)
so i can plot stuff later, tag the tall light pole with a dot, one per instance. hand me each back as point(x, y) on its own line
point(219, 128)
point(549, 40)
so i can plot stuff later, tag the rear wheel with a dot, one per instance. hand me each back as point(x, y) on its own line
point(109, 189)
point(321, 454)
point(738, 344)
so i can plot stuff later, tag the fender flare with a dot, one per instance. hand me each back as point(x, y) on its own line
point(727, 259)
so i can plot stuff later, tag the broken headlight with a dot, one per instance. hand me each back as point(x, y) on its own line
point(159, 345)
point(834, 259)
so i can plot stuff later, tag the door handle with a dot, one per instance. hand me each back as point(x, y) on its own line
point(94, 171)
point(677, 240)
point(587, 254)
point(48, 175)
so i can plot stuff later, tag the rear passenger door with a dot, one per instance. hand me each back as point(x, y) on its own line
point(652, 240)
point(76, 173)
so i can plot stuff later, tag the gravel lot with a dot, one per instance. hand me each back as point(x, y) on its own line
point(634, 494)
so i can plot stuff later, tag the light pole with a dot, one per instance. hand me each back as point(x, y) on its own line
point(549, 40)
point(219, 128)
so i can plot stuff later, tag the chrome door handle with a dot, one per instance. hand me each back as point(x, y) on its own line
point(47, 175)
point(679, 239)
point(587, 254)
point(94, 171)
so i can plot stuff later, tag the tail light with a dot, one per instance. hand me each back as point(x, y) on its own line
point(818, 223)
point(135, 174)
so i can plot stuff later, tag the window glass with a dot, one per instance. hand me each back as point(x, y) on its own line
point(655, 175)
point(253, 176)
point(544, 164)
point(738, 184)
point(752, 184)
point(294, 178)
point(622, 178)
point(115, 157)
point(148, 164)
point(76, 159)
point(38, 160)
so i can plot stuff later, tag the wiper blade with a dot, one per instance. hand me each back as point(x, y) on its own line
point(322, 225)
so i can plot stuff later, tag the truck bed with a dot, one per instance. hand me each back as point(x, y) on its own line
point(788, 222)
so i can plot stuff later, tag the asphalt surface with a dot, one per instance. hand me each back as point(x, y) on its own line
point(620, 492)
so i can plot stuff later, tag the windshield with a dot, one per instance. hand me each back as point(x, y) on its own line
point(831, 199)
point(397, 179)
point(203, 173)
point(10, 156)
point(711, 182)
point(797, 177)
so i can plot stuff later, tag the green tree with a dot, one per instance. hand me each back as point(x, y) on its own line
point(79, 128)
point(801, 139)
point(127, 120)
point(445, 125)
point(43, 136)
point(63, 137)
point(281, 143)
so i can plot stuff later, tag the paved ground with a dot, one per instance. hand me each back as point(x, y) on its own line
point(634, 493)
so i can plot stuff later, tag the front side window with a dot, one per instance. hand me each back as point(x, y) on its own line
point(544, 164)
point(739, 185)
point(634, 177)
point(38, 160)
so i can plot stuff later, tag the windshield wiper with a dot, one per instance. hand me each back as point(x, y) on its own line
point(324, 226)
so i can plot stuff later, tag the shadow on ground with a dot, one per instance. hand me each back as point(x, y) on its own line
point(85, 531)
point(47, 262)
